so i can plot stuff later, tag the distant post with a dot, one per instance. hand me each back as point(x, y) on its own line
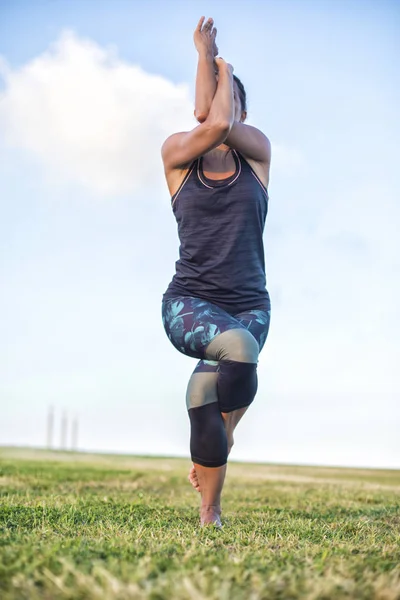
point(64, 429)
point(50, 427)
point(74, 434)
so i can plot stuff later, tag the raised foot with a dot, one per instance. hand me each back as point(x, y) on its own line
point(210, 515)
point(193, 479)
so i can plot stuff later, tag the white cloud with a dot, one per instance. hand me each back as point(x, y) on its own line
point(91, 117)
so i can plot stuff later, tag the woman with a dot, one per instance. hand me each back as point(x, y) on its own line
point(217, 308)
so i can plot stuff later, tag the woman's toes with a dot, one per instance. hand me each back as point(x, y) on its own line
point(193, 479)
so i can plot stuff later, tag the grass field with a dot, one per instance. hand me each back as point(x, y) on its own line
point(85, 526)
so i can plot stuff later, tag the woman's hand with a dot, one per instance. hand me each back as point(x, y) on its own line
point(204, 37)
point(222, 65)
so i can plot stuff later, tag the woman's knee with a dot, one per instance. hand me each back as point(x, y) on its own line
point(234, 344)
point(201, 390)
point(208, 440)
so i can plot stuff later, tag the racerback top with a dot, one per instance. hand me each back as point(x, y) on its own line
point(220, 228)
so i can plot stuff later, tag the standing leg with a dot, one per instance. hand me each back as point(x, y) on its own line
point(208, 441)
point(257, 323)
point(209, 394)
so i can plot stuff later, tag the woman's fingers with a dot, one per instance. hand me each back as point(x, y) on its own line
point(215, 47)
point(213, 36)
point(204, 35)
point(200, 24)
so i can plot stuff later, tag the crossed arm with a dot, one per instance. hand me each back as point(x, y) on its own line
point(215, 110)
point(248, 140)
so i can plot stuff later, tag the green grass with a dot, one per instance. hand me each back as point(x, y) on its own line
point(81, 526)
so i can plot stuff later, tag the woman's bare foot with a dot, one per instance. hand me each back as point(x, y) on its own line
point(210, 515)
point(193, 478)
point(211, 481)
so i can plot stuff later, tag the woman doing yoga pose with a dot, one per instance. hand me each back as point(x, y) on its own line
point(217, 308)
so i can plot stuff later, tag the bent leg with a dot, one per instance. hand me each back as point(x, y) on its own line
point(257, 322)
point(236, 351)
point(237, 382)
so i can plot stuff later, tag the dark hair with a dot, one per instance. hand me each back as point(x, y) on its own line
point(242, 93)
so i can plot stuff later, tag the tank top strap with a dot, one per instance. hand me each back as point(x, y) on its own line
point(187, 175)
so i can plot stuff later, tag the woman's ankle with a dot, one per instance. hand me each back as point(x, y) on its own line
point(210, 514)
point(210, 507)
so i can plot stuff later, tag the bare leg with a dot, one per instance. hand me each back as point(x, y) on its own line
point(231, 419)
point(210, 481)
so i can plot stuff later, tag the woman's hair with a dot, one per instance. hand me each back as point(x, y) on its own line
point(242, 93)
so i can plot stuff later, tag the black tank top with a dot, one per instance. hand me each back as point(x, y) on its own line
point(220, 228)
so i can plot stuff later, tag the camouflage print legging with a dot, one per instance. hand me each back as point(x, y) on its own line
point(191, 324)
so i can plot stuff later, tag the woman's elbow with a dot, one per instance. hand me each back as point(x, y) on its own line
point(200, 116)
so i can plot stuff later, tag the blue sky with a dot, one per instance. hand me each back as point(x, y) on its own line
point(88, 241)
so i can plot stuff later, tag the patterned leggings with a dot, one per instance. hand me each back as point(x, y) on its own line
point(225, 377)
